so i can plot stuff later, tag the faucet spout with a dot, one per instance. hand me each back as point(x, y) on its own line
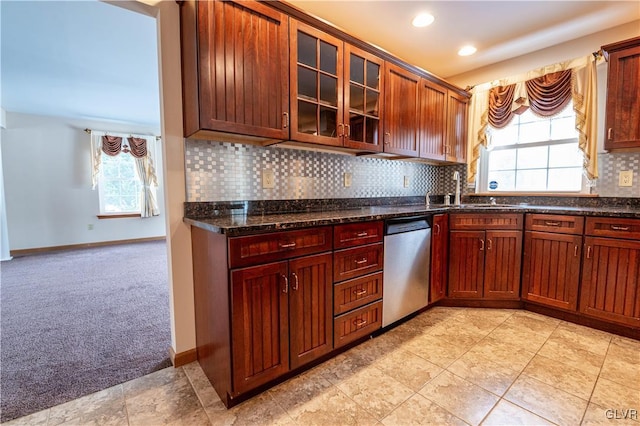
point(456, 177)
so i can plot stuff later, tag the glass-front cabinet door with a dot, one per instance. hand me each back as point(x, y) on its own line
point(316, 86)
point(362, 99)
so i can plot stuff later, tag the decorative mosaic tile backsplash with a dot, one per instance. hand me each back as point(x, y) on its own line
point(609, 165)
point(220, 171)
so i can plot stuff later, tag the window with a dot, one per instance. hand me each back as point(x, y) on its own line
point(119, 185)
point(533, 154)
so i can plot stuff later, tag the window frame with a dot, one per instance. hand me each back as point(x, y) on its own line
point(103, 214)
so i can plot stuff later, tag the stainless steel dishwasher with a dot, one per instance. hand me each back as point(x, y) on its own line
point(407, 256)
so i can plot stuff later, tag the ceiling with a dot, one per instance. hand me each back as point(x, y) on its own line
point(93, 60)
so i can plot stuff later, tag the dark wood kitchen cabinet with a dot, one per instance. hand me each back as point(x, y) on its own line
point(610, 286)
point(551, 260)
point(439, 257)
point(623, 95)
point(235, 60)
point(457, 113)
point(401, 117)
point(485, 255)
point(336, 90)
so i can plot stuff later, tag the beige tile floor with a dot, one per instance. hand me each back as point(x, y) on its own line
point(447, 366)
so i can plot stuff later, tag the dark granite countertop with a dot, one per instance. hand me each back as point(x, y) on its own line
point(239, 224)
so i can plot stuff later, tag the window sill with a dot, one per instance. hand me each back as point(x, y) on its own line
point(117, 215)
point(533, 194)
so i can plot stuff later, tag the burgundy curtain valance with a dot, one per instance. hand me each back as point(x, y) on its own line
point(549, 94)
point(500, 102)
point(112, 145)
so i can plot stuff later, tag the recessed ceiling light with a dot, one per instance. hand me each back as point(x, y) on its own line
point(467, 50)
point(422, 20)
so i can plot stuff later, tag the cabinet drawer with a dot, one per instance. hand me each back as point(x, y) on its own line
point(555, 223)
point(357, 234)
point(475, 221)
point(244, 251)
point(613, 227)
point(357, 292)
point(357, 261)
point(356, 324)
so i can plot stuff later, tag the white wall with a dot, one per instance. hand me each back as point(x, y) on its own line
point(47, 170)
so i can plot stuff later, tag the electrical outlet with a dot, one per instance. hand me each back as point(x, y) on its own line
point(406, 181)
point(268, 179)
point(625, 178)
point(347, 180)
point(90, 227)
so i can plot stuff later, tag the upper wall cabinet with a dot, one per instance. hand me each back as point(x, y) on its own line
point(623, 95)
point(401, 118)
point(335, 91)
point(443, 123)
point(235, 59)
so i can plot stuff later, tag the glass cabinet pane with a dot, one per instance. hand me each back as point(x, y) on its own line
point(307, 118)
point(329, 89)
point(307, 49)
point(328, 58)
point(373, 75)
point(356, 98)
point(356, 124)
point(328, 121)
point(307, 83)
point(356, 69)
point(372, 130)
point(372, 102)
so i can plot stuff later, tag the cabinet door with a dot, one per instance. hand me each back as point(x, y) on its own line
point(439, 257)
point(316, 85)
point(363, 99)
point(466, 263)
point(611, 280)
point(433, 120)
point(551, 269)
point(401, 118)
point(456, 149)
point(311, 308)
point(503, 250)
point(623, 99)
point(235, 66)
point(260, 324)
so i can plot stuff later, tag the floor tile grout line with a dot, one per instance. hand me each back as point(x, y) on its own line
point(126, 408)
point(193, 387)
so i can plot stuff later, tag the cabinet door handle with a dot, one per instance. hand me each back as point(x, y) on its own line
point(588, 252)
point(620, 228)
point(286, 284)
point(437, 229)
point(489, 244)
point(481, 244)
point(575, 251)
point(296, 283)
point(550, 223)
point(340, 130)
point(290, 245)
point(348, 126)
point(360, 292)
point(285, 120)
point(609, 132)
point(358, 322)
point(362, 262)
point(387, 136)
point(362, 234)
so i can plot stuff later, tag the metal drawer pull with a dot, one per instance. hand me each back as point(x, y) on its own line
point(295, 282)
point(348, 130)
point(609, 133)
point(489, 244)
point(387, 135)
point(588, 252)
point(620, 228)
point(361, 262)
point(575, 251)
point(286, 284)
point(285, 120)
point(290, 245)
point(341, 130)
point(359, 322)
point(437, 229)
point(481, 244)
point(362, 234)
point(360, 292)
point(549, 223)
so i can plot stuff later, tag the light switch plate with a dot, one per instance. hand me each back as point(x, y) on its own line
point(406, 181)
point(268, 179)
point(347, 179)
point(625, 178)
